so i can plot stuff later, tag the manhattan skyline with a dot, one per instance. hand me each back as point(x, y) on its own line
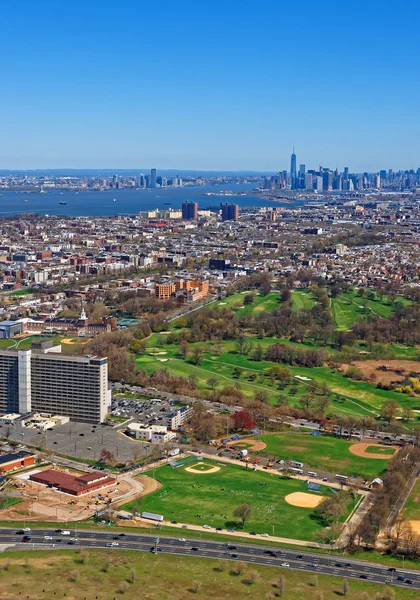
point(196, 87)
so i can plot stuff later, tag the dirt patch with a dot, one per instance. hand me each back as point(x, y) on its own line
point(254, 445)
point(149, 484)
point(196, 469)
point(295, 448)
point(304, 500)
point(386, 371)
point(70, 341)
point(360, 450)
point(415, 525)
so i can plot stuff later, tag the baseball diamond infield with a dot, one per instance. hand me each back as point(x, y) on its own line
point(199, 468)
point(304, 500)
point(255, 445)
point(359, 449)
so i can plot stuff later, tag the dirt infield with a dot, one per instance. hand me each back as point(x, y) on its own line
point(197, 470)
point(253, 445)
point(304, 500)
point(359, 449)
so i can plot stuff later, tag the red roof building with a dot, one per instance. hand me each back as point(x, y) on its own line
point(76, 485)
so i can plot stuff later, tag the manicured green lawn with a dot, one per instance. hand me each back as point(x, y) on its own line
point(260, 303)
point(412, 506)
point(302, 300)
point(381, 450)
point(355, 397)
point(349, 307)
point(322, 452)
point(185, 496)
point(110, 574)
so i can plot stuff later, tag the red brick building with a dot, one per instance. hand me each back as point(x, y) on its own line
point(19, 460)
point(76, 485)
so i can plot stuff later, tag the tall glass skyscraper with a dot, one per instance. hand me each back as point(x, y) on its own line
point(293, 178)
point(153, 178)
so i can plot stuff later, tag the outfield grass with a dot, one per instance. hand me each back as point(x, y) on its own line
point(380, 450)
point(324, 453)
point(105, 575)
point(412, 506)
point(210, 499)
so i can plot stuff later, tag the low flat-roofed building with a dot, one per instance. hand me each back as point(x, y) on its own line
point(155, 434)
point(9, 419)
point(76, 485)
point(17, 460)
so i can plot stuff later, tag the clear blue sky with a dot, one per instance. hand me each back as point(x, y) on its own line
point(209, 84)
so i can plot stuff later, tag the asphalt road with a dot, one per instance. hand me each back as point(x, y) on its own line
point(272, 556)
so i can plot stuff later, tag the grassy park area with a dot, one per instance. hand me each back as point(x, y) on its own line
point(210, 498)
point(348, 396)
point(324, 452)
point(412, 506)
point(106, 575)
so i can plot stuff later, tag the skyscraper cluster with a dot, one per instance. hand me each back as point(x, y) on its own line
point(329, 180)
point(154, 180)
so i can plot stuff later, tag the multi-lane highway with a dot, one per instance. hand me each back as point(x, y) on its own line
point(272, 556)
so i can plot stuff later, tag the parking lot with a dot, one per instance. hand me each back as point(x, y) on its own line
point(81, 440)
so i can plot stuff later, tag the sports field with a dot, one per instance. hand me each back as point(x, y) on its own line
point(323, 452)
point(210, 499)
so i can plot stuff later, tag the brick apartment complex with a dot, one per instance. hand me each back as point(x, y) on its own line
point(186, 291)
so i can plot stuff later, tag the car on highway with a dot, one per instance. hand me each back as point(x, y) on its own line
point(47, 537)
point(252, 533)
point(363, 576)
point(234, 555)
point(409, 581)
point(232, 547)
point(182, 540)
point(26, 538)
point(206, 527)
point(112, 544)
point(285, 565)
point(392, 569)
point(195, 548)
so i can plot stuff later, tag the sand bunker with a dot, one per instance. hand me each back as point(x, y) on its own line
point(161, 353)
point(196, 469)
point(253, 444)
point(415, 525)
point(360, 450)
point(304, 500)
point(163, 359)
